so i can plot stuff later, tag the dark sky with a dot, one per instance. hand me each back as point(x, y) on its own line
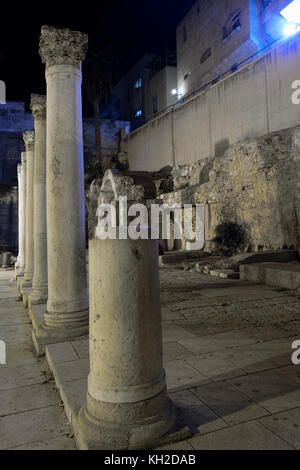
point(131, 27)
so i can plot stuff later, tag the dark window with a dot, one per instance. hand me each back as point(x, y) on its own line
point(206, 55)
point(232, 25)
point(155, 104)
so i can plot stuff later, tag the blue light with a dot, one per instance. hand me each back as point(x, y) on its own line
point(291, 14)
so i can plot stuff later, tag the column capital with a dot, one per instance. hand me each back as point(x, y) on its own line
point(28, 137)
point(38, 106)
point(62, 46)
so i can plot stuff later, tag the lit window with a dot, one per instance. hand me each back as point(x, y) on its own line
point(139, 113)
point(138, 83)
point(291, 14)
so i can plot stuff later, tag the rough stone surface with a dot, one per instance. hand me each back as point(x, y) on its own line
point(248, 184)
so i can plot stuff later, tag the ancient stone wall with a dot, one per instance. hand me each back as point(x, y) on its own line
point(255, 183)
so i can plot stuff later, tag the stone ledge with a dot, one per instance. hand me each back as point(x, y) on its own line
point(36, 314)
point(281, 275)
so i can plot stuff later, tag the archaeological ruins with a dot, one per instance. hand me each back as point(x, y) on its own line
point(139, 343)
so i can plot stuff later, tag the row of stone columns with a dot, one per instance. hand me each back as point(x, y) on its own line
point(127, 404)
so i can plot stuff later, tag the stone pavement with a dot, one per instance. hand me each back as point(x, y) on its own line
point(31, 412)
point(227, 354)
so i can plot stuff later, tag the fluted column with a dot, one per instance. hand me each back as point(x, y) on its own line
point(22, 215)
point(39, 292)
point(67, 308)
point(28, 137)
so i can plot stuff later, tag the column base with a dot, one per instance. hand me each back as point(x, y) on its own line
point(39, 295)
point(57, 334)
point(133, 426)
point(26, 282)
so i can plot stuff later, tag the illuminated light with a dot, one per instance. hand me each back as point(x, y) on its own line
point(291, 29)
point(292, 12)
point(174, 92)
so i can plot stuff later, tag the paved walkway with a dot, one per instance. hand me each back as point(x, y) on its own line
point(227, 354)
point(31, 413)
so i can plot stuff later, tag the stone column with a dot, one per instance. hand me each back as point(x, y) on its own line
point(22, 215)
point(67, 308)
point(28, 137)
point(127, 405)
point(39, 292)
point(19, 170)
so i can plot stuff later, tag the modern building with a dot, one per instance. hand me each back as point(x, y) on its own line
point(217, 37)
point(147, 89)
point(13, 121)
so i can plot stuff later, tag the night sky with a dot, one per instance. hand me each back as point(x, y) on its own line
point(131, 27)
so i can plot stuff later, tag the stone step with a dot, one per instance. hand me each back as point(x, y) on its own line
point(282, 275)
point(177, 257)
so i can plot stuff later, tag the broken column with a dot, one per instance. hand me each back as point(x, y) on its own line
point(28, 137)
point(127, 405)
point(39, 292)
point(22, 215)
point(67, 308)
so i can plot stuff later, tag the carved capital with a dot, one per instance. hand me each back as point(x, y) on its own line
point(38, 106)
point(62, 46)
point(28, 137)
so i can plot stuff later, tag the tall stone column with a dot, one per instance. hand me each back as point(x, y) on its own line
point(28, 137)
point(22, 215)
point(67, 308)
point(127, 405)
point(39, 292)
point(19, 170)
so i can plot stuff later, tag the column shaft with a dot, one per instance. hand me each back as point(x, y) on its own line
point(39, 292)
point(22, 215)
point(67, 306)
point(29, 143)
point(127, 405)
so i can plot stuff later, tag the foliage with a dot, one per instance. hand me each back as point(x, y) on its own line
point(229, 239)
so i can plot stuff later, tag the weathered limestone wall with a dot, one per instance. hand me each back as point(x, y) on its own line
point(250, 103)
point(255, 183)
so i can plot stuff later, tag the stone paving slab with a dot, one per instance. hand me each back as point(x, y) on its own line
point(285, 425)
point(246, 436)
point(271, 390)
point(60, 443)
point(22, 375)
point(235, 409)
point(26, 398)
point(31, 416)
point(32, 426)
